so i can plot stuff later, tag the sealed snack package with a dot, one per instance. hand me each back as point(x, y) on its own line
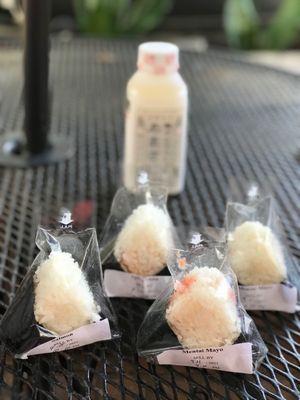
point(60, 304)
point(198, 321)
point(258, 254)
point(135, 243)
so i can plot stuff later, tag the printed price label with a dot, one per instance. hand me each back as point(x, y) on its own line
point(278, 297)
point(79, 337)
point(124, 284)
point(231, 358)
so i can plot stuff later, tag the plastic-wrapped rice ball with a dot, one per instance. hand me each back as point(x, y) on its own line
point(202, 311)
point(255, 254)
point(63, 299)
point(142, 245)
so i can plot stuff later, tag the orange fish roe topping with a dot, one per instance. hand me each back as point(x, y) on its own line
point(182, 262)
point(185, 283)
point(188, 280)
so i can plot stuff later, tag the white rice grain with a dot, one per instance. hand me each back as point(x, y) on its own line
point(202, 311)
point(63, 299)
point(143, 243)
point(255, 255)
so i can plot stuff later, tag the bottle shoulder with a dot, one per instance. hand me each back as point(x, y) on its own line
point(155, 90)
point(145, 80)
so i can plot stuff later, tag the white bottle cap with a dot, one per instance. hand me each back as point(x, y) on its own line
point(158, 57)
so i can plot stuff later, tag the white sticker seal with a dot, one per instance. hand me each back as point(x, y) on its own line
point(124, 284)
point(82, 336)
point(277, 297)
point(231, 358)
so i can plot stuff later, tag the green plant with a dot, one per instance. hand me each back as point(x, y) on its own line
point(244, 29)
point(116, 17)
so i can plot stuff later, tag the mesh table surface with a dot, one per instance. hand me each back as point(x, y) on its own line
point(244, 121)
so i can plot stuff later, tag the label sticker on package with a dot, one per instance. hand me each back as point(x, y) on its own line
point(124, 284)
point(231, 358)
point(277, 297)
point(82, 336)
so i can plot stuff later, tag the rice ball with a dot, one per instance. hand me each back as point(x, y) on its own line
point(202, 311)
point(255, 255)
point(63, 299)
point(142, 245)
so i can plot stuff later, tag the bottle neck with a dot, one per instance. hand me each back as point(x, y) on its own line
point(151, 74)
point(159, 69)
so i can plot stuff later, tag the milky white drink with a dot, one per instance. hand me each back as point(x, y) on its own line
point(156, 120)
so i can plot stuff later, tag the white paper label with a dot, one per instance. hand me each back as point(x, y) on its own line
point(155, 142)
point(124, 284)
point(277, 297)
point(79, 337)
point(231, 358)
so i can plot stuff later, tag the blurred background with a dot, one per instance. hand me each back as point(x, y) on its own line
point(242, 24)
point(269, 25)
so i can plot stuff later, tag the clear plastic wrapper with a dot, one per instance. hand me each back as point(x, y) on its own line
point(60, 303)
point(135, 243)
point(258, 253)
point(199, 320)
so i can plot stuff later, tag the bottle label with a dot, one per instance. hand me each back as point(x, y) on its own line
point(156, 143)
point(124, 284)
point(231, 358)
point(277, 297)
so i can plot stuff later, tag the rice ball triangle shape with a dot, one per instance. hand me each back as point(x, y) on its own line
point(142, 245)
point(202, 311)
point(255, 254)
point(63, 299)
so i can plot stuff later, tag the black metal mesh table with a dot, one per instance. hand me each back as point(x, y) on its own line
point(244, 121)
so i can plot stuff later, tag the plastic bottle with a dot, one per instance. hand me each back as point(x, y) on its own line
point(156, 119)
